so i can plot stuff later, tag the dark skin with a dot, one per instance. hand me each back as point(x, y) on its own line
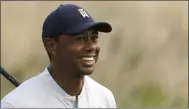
point(68, 64)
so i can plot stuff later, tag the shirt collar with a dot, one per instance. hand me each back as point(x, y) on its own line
point(58, 90)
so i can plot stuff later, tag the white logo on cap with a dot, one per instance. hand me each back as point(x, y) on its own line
point(83, 13)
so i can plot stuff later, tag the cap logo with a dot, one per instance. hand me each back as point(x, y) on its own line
point(83, 13)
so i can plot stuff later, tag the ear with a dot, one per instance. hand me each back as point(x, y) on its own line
point(50, 46)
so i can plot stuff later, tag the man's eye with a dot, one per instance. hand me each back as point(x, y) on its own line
point(80, 38)
point(94, 38)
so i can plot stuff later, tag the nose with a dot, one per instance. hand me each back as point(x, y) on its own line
point(90, 46)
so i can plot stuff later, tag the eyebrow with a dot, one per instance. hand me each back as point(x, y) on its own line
point(96, 32)
point(85, 32)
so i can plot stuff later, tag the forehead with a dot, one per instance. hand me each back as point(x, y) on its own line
point(71, 36)
point(93, 31)
point(88, 31)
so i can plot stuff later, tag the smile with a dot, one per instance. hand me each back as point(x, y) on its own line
point(88, 60)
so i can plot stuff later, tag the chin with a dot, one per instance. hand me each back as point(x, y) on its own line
point(84, 68)
point(87, 71)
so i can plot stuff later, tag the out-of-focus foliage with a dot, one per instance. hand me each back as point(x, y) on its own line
point(143, 61)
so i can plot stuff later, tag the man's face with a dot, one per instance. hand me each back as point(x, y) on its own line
point(78, 52)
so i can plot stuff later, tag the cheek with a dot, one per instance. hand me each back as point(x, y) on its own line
point(71, 51)
point(98, 48)
point(64, 56)
point(61, 54)
point(62, 51)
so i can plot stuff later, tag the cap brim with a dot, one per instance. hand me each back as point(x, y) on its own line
point(99, 26)
point(102, 27)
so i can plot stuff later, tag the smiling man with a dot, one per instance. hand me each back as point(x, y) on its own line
point(70, 36)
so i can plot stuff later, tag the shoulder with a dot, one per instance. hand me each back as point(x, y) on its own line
point(29, 91)
point(6, 105)
point(101, 92)
point(95, 85)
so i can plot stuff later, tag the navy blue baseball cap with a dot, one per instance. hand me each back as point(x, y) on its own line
point(71, 19)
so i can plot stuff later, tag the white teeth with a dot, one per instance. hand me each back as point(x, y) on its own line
point(88, 58)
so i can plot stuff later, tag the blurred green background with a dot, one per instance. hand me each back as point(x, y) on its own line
point(143, 61)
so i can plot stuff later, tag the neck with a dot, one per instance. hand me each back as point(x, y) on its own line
point(72, 85)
